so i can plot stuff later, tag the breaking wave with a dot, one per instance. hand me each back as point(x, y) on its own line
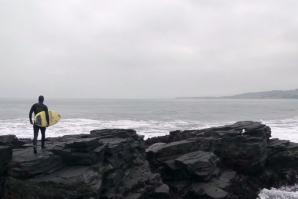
point(282, 193)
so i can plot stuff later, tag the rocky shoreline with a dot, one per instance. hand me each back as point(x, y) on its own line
point(228, 162)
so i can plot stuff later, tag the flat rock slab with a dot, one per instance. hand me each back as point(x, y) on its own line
point(173, 148)
point(6, 154)
point(80, 158)
point(25, 163)
point(224, 181)
point(11, 140)
point(197, 161)
point(133, 196)
point(210, 190)
point(115, 145)
point(83, 143)
point(115, 133)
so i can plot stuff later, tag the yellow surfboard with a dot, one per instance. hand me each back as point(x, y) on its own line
point(40, 118)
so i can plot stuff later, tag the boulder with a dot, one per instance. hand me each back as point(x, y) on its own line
point(173, 148)
point(72, 157)
point(103, 164)
point(5, 157)
point(25, 164)
point(207, 190)
point(11, 140)
point(71, 182)
point(232, 161)
point(241, 146)
point(282, 153)
point(197, 164)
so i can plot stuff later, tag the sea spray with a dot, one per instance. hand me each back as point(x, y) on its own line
point(281, 193)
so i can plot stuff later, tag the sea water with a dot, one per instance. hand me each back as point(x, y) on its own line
point(156, 117)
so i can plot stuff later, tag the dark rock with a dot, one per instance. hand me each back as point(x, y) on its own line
point(112, 133)
point(199, 164)
point(242, 153)
point(6, 154)
point(80, 158)
point(71, 182)
point(11, 140)
point(5, 157)
point(174, 148)
point(241, 146)
point(162, 192)
point(26, 164)
point(225, 179)
point(249, 161)
point(105, 164)
point(208, 190)
point(233, 161)
point(198, 160)
point(83, 143)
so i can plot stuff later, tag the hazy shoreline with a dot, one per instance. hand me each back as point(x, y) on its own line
point(274, 94)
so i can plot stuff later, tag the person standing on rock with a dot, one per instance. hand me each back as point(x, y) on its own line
point(37, 108)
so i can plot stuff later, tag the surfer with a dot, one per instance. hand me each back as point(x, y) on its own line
point(36, 108)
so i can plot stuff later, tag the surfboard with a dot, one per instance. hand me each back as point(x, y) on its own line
point(40, 118)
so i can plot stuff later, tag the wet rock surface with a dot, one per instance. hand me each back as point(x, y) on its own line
point(5, 157)
point(228, 162)
point(106, 164)
point(232, 161)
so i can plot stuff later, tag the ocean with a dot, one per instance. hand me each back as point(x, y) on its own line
point(156, 117)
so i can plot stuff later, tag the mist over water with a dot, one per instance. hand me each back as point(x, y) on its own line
point(156, 117)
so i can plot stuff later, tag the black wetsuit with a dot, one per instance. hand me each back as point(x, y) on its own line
point(36, 108)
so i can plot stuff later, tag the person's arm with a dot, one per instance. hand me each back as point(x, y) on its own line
point(47, 115)
point(30, 114)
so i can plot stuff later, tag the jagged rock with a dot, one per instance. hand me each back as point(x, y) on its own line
point(11, 140)
point(244, 147)
point(5, 157)
point(288, 158)
point(242, 153)
point(104, 164)
point(232, 161)
point(241, 146)
point(208, 190)
point(79, 150)
point(83, 144)
point(198, 164)
point(80, 158)
point(198, 160)
point(71, 182)
point(6, 154)
point(224, 180)
point(25, 164)
point(163, 151)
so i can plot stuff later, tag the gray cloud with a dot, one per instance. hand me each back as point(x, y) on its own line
point(147, 49)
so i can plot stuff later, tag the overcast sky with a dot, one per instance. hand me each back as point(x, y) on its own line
point(147, 48)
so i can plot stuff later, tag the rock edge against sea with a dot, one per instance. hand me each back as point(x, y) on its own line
point(228, 162)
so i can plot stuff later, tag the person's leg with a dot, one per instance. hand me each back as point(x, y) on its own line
point(35, 129)
point(43, 136)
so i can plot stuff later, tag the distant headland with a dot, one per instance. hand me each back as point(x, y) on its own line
point(274, 94)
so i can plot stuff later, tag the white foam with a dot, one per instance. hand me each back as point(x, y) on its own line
point(23, 129)
point(286, 129)
point(283, 129)
point(282, 193)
